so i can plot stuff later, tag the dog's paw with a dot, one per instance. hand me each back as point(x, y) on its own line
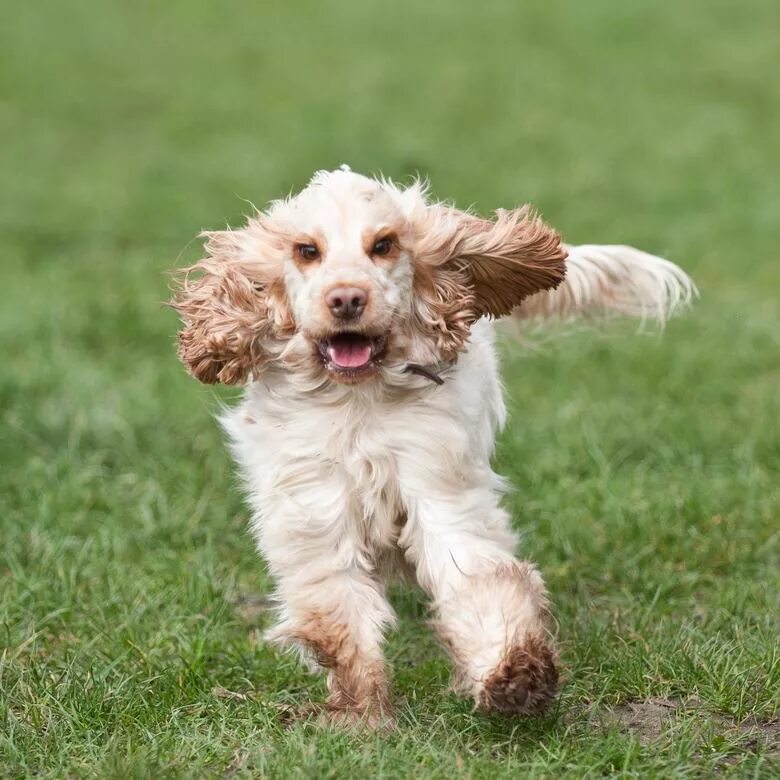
point(525, 682)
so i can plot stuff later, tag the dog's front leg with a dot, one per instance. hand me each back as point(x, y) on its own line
point(491, 609)
point(332, 608)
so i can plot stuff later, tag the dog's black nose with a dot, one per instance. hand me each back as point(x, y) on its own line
point(346, 303)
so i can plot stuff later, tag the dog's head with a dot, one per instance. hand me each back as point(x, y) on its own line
point(353, 274)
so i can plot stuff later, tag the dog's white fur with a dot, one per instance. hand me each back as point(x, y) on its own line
point(350, 481)
point(603, 280)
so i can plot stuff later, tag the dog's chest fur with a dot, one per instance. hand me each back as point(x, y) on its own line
point(347, 464)
point(339, 462)
point(371, 471)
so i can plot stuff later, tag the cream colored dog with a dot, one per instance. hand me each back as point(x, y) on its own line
point(358, 313)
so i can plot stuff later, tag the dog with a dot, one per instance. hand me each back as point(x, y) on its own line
point(358, 314)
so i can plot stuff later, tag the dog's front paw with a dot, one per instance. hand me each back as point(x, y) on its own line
point(525, 682)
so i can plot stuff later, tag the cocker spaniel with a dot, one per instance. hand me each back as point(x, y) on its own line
point(358, 315)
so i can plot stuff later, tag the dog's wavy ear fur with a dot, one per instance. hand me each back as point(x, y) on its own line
point(467, 267)
point(508, 259)
point(224, 304)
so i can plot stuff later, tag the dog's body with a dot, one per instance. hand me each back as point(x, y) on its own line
point(357, 312)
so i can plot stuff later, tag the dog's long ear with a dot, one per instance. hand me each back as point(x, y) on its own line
point(223, 301)
point(502, 261)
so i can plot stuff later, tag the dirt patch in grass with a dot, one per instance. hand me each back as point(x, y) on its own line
point(649, 719)
point(646, 719)
point(757, 731)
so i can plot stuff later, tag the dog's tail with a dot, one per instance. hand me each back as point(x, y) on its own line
point(603, 280)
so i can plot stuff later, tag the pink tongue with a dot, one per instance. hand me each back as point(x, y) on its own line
point(350, 355)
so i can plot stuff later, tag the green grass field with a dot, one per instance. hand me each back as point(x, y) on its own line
point(647, 467)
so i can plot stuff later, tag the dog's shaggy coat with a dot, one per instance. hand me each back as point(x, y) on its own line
point(358, 315)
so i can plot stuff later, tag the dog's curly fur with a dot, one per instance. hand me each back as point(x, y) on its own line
point(355, 462)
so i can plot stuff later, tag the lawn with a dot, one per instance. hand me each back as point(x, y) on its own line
point(646, 465)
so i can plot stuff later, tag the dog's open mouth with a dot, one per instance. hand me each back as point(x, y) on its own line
point(352, 354)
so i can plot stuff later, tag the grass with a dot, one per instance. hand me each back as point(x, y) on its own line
point(646, 466)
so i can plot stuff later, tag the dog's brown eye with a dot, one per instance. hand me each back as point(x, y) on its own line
point(308, 252)
point(383, 247)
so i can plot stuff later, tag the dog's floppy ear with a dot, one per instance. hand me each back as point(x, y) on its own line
point(224, 306)
point(502, 261)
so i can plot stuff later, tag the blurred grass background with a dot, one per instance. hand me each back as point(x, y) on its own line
point(646, 467)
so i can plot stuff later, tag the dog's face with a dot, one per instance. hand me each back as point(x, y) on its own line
point(353, 275)
point(347, 271)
